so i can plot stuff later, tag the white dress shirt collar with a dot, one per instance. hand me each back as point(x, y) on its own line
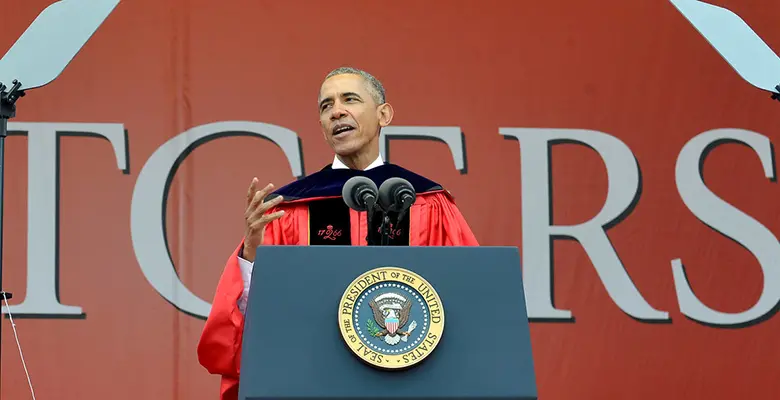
point(337, 164)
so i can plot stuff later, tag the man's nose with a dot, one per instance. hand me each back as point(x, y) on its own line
point(337, 112)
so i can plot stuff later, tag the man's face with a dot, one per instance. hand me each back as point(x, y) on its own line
point(349, 116)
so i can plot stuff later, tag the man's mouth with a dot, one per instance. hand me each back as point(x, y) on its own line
point(342, 128)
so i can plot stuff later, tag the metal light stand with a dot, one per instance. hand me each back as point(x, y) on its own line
point(7, 111)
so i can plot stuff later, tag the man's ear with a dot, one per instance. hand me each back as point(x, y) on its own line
point(385, 114)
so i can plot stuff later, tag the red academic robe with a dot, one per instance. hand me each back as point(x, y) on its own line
point(433, 220)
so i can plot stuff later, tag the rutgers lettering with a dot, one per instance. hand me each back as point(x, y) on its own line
point(151, 249)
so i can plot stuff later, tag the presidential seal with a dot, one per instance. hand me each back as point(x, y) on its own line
point(391, 318)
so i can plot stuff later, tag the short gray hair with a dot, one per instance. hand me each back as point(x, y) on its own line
point(375, 87)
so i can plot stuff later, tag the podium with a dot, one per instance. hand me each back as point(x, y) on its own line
point(371, 322)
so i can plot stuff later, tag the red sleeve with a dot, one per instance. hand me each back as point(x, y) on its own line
point(220, 341)
point(435, 220)
point(219, 348)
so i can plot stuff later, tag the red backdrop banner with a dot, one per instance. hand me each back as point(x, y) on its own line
point(609, 141)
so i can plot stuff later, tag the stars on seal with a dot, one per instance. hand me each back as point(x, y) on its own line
point(387, 321)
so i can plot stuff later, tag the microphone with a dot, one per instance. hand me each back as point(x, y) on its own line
point(360, 193)
point(396, 194)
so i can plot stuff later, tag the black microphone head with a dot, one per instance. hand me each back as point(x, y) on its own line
point(355, 192)
point(396, 194)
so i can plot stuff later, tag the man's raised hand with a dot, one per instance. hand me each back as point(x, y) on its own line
point(257, 217)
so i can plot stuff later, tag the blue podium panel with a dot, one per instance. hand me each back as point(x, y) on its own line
point(293, 347)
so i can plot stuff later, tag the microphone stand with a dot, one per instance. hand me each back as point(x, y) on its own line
point(406, 203)
point(7, 111)
point(372, 206)
point(384, 229)
point(369, 217)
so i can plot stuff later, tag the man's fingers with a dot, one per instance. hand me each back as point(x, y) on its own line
point(273, 216)
point(250, 193)
point(263, 208)
point(267, 218)
point(267, 189)
point(252, 188)
point(258, 197)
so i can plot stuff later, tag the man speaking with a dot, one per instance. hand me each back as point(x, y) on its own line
point(311, 211)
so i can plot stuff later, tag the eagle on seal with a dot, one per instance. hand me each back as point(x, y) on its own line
point(391, 313)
